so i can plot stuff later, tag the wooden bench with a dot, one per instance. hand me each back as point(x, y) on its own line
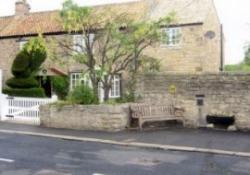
point(146, 113)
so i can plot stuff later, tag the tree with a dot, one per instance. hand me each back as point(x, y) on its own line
point(247, 55)
point(24, 68)
point(113, 41)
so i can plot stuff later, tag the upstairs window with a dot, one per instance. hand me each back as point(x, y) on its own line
point(171, 36)
point(79, 45)
point(22, 43)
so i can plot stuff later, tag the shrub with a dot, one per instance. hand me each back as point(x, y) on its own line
point(20, 66)
point(31, 92)
point(83, 95)
point(30, 82)
point(60, 86)
point(24, 67)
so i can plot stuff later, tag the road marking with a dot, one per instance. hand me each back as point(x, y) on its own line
point(6, 160)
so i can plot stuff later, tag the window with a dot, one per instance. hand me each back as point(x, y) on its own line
point(171, 36)
point(115, 91)
point(77, 79)
point(22, 43)
point(79, 42)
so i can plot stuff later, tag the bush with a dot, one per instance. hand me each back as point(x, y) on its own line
point(30, 82)
point(83, 95)
point(31, 92)
point(20, 66)
point(24, 67)
point(60, 86)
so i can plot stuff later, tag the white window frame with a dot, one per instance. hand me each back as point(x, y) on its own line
point(79, 45)
point(115, 91)
point(78, 79)
point(171, 36)
point(22, 43)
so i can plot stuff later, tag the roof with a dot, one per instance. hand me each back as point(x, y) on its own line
point(187, 11)
point(30, 24)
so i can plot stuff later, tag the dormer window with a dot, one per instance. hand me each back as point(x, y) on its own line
point(171, 36)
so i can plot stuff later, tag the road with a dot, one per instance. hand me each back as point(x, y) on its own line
point(29, 155)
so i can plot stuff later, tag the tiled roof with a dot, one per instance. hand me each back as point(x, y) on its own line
point(187, 11)
point(33, 23)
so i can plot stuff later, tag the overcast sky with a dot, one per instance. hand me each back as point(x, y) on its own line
point(234, 15)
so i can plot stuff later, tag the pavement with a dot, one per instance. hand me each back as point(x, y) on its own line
point(31, 155)
point(177, 139)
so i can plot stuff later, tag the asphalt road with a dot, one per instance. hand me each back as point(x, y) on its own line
point(28, 155)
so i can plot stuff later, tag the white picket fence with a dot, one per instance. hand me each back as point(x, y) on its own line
point(21, 110)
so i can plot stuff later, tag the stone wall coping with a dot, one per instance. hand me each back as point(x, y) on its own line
point(196, 74)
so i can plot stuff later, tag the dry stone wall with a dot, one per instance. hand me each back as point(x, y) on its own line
point(86, 117)
point(225, 94)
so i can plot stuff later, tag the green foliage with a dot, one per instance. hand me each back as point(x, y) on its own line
point(20, 65)
point(149, 64)
point(31, 92)
point(24, 68)
point(242, 67)
point(60, 86)
point(120, 42)
point(83, 95)
point(247, 56)
point(30, 82)
point(127, 98)
point(30, 58)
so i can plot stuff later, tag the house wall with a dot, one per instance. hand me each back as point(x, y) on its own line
point(212, 44)
point(188, 56)
point(196, 52)
point(8, 50)
point(199, 50)
point(10, 47)
point(224, 94)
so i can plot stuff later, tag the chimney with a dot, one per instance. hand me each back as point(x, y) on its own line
point(22, 7)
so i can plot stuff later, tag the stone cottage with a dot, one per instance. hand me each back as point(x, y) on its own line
point(194, 45)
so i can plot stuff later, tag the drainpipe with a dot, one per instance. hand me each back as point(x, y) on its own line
point(221, 48)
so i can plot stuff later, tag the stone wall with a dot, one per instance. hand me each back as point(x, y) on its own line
point(81, 117)
point(224, 94)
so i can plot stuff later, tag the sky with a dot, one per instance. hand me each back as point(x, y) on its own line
point(234, 15)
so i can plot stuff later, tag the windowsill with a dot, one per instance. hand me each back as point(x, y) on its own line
point(165, 46)
point(114, 97)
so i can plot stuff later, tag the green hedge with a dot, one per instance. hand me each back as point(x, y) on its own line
point(30, 82)
point(21, 64)
point(31, 92)
point(60, 86)
point(83, 95)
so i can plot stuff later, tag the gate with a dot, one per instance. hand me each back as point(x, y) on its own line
point(23, 110)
